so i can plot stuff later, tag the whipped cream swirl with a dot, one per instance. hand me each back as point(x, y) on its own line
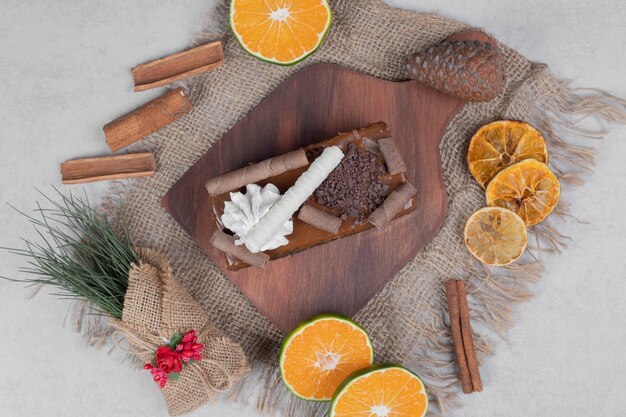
point(244, 211)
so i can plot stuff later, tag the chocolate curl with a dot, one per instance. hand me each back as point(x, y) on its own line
point(393, 159)
point(319, 219)
point(294, 197)
point(393, 204)
point(257, 172)
point(371, 146)
point(226, 243)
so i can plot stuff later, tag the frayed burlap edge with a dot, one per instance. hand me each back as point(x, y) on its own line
point(558, 110)
point(156, 307)
point(492, 292)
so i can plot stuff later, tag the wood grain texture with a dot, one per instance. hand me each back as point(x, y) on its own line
point(313, 105)
point(134, 165)
point(178, 66)
point(147, 119)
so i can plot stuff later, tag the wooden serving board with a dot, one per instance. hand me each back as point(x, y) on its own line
point(313, 105)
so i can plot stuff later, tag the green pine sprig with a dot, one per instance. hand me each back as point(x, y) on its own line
point(79, 253)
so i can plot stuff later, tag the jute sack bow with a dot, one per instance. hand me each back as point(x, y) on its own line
point(156, 307)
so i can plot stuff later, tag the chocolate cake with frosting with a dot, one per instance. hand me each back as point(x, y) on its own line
point(366, 189)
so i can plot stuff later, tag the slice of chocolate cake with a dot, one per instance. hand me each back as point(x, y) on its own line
point(359, 193)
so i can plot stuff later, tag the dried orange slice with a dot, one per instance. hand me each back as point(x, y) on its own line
point(280, 31)
point(381, 391)
point(499, 145)
point(319, 354)
point(496, 236)
point(528, 188)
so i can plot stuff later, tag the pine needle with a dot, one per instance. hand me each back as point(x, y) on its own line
point(79, 253)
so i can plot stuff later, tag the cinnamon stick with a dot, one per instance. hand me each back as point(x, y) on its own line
point(257, 172)
point(147, 119)
point(393, 204)
point(468, 341)
point(393, 159)
point(226, 243)
point(107, 168)
point(178, 66)
point(457, 337)
point(319, 219)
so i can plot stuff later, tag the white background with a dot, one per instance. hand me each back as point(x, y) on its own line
point(64, 72)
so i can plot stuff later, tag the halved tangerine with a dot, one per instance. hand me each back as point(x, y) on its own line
point(319, 354)
point(381, 391)
point(496, 236)
point(527, 188)
point(280, 31)
point(501, 144)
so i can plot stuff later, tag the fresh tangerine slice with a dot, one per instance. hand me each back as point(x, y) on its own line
point(318, 355)
point(381, 391)
point(280, 31)
point(528, 188)
point(496, 236)
point(501, 144)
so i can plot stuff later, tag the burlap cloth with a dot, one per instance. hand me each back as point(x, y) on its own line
point(156, 307)
point(406, 320)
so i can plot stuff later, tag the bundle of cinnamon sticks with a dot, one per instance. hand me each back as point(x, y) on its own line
point(147, 119)
point(461, 331)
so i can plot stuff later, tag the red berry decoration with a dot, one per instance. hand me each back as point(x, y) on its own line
point(190, 336)
point(160, 377)
point(171, 361)
point(189, 349)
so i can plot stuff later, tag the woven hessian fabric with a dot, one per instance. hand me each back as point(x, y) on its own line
point(155, 308)
point(406, 320)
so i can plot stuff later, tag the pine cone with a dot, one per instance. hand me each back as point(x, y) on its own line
point(469, 70)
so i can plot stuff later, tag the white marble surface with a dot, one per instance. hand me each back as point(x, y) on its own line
point(64, 73)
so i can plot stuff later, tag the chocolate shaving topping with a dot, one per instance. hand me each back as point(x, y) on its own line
point(354, 188)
